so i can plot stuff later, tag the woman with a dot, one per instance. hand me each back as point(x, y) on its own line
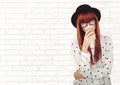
point(93, 52)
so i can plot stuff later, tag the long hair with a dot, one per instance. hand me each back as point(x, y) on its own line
point(80, 36)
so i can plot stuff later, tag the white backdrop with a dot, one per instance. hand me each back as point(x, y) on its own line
point(35, 39)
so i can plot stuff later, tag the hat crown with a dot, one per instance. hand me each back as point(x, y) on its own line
point(83, 8)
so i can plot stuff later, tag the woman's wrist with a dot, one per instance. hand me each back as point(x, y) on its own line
point(84, 47)
point(84, 50)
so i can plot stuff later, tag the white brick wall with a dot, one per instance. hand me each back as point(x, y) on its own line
point(35, 39)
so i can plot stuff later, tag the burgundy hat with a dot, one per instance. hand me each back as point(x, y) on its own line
point(84, 9)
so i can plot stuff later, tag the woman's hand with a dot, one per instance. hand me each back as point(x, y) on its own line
point(89, 36)
point(77, 74)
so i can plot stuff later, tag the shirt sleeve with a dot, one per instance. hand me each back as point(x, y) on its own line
point(83, 60)
point(108, 59)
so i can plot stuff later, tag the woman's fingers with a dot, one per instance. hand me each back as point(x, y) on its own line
point(77, 74)
point(90, 33)
point(91, 38)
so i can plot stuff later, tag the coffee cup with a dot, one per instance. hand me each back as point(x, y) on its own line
point(92, 28)
point(89, 27)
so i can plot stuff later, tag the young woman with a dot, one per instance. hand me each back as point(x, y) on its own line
point(93, 52)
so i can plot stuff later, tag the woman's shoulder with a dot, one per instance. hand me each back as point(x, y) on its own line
point(74, 41)
point(105, 37)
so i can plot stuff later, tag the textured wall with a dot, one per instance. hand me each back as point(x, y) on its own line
point(35, 39)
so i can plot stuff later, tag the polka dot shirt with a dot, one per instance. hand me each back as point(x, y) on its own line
point(98, 74)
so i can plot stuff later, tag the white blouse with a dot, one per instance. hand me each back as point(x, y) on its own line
point(98, 74)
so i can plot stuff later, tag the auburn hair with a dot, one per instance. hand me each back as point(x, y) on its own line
point(80, 36)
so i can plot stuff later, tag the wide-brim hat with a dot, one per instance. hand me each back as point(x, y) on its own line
point(84, 8)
